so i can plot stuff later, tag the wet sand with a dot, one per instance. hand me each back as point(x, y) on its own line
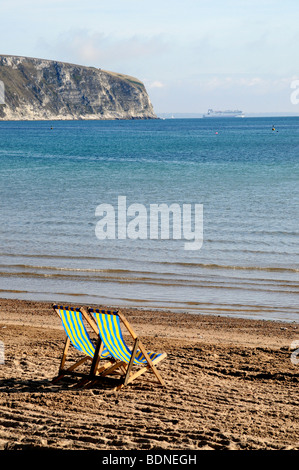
point(230, 384)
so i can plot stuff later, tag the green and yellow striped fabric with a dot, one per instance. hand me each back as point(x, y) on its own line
point(110, 332)
point(74, 327)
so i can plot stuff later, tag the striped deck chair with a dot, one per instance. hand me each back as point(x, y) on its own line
point(125, 359)
point(78, 337)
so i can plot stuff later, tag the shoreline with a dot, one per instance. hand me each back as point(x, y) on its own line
point(230, 384)
point(229, 310)
point(38, 313)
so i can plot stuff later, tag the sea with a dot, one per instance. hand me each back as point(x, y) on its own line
point(58, 177)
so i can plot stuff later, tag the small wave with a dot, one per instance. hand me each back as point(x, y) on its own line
point(147, 262)
point(56, 271)
point(235, 268)
point(185, 284)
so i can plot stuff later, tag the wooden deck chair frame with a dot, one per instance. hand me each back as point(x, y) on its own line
point(95, 354)
point(125, 368)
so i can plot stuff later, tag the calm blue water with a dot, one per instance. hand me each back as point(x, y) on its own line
point(246, 177)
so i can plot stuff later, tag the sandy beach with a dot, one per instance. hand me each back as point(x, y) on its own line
point(230, 384)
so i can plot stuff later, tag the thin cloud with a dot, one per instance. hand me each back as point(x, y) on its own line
point(155, 84)
point(105, 51)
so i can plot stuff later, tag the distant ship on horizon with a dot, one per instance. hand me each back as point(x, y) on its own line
point(222, 114)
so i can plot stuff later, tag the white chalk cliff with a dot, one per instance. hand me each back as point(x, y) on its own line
point(38, 89)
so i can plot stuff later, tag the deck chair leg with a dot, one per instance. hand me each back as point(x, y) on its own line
point(94, 366)
point(63, 359)
point(99, 373)
point(82, 383)
point(64, 354)
point(151, 364)
point(141, 372)
point(112, 368)
point(64, 372)
point(129, 368)
point(97, 356)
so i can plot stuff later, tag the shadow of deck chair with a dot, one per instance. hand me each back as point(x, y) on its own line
point(78, 337)
point(126, 360)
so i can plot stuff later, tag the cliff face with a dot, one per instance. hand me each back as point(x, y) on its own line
point(37, 89)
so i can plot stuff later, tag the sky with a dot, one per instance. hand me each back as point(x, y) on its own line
point(191, 55)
